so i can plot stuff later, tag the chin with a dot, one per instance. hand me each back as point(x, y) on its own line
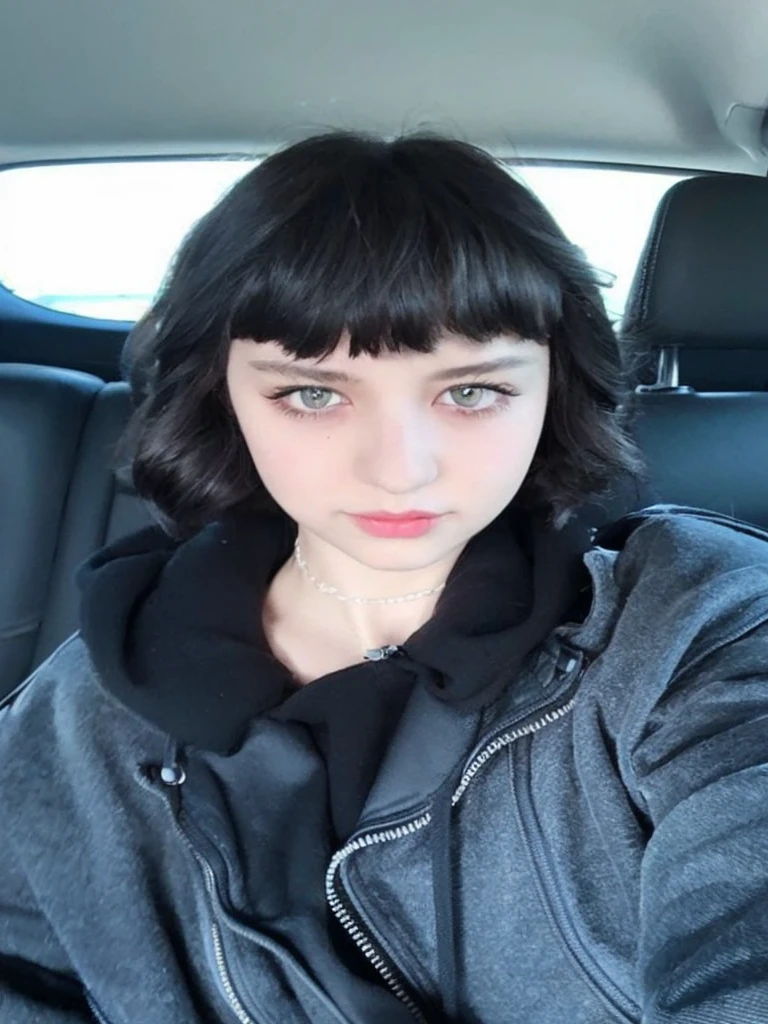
point(398, 554)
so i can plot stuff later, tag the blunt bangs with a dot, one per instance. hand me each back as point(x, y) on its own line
point(393, 245)
point(393, 249)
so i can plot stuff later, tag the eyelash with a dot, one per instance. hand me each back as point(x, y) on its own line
point(501, 389)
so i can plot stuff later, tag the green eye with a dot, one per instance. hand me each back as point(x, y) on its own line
point(319, 397)
point(471, 392)
point(469, 399)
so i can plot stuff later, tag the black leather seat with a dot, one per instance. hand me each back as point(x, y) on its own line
point(702, 284)
point(43, 412)
point(100, 508)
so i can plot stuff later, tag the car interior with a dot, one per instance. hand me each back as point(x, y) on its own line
point(654, 88)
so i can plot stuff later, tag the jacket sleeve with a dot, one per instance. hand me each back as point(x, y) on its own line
point(701, 768)
point(37, 985)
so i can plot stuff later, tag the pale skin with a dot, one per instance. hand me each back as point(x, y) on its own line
point(391, 437)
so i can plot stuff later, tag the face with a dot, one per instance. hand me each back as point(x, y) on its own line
point(399, 432)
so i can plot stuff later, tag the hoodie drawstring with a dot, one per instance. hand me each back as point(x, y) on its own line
point(568, 661)
point(442, 858)
point(443, 897)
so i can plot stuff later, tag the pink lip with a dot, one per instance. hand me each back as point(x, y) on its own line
point(398, 516)
point(410, 524)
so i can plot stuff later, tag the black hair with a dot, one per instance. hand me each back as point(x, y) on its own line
point(395, 243)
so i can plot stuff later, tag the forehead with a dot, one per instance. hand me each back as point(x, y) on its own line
point(449, 354)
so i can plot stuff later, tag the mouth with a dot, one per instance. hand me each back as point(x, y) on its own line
point(404, 524)
point(397, 517)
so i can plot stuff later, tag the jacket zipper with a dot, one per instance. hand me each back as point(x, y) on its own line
point(619, 1002)
point(99, 1016)
point(218, 915)
point(344, 913)
point(215, 931)
point(237, 1007)
point(504, 740)
point(515, 727)
point(350, 921)
point(218, 950)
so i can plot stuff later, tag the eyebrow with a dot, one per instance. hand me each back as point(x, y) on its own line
point(340, 377)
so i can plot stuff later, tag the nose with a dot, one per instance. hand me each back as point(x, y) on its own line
point(398, 453)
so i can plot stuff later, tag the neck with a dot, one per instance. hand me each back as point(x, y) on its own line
point(301, 606)
point(363, 626)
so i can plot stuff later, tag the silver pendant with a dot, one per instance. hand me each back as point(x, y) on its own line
point(380, 653)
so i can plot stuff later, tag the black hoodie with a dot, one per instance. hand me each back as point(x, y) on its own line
point(175, 633)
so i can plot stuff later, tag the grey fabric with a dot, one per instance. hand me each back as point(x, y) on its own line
point(609, 844)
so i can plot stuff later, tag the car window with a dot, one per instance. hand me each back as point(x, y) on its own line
point(605, 211)
point(96, 238)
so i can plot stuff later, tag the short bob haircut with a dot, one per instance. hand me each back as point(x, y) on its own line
point(396, 243)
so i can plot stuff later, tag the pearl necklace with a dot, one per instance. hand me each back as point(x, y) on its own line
point(334, 592)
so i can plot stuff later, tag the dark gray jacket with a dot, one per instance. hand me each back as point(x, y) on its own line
point(603, 829)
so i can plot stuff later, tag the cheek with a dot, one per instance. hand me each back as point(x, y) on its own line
point(498, 455)
point(292, 463)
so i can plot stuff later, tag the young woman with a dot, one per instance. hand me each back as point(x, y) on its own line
point(369, 728)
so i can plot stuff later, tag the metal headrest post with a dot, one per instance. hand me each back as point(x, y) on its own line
point(667, 374)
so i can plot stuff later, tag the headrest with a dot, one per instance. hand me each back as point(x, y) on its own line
point(702, 280)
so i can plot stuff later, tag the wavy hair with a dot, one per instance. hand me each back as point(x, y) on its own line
point(394, 242)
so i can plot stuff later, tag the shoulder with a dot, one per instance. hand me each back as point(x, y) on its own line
point(687, 635)
point(677, 586)
point(675, 549)
point(61, 719)
point(68, 673)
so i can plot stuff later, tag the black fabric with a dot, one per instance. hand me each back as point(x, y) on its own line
point(351, 721)
point(175, 633)
point(701, 279)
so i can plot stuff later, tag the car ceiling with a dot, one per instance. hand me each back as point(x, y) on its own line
point(679, 83)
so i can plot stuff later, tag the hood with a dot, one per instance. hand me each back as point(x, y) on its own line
point(174, 628)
